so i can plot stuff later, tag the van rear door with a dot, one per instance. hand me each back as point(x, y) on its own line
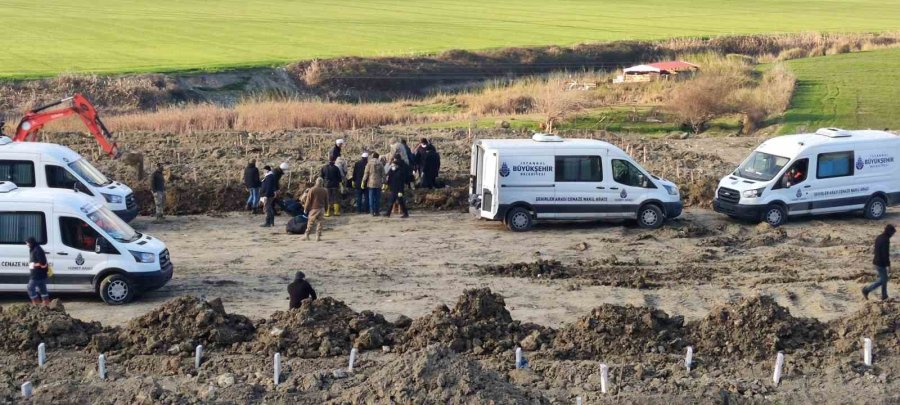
point(490, 196)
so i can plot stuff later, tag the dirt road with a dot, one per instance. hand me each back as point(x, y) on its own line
point(814, 267)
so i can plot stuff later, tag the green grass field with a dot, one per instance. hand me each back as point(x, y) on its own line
point(853, 90)
point(46, 37)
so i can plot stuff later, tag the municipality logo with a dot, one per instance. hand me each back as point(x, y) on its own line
point(623, 194)
point(859, 163)
point(79, 260)
point(504, 170)
point(799, 193)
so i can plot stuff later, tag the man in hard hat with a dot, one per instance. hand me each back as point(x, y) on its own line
point(336, 150)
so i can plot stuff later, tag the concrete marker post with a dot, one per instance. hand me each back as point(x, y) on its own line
point(577, 400)
point(689, 358)
point(198, 356)
point(604, 378)
point(353, 353)
point(779, 363)
point(101, 366)
point(42, 355)
point(277, 378)
point(519, 363)
point(27, 390)
point(867, 351)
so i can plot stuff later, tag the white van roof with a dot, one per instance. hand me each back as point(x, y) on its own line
point(792, 145)
point(542, 141)
point(51, 150)
point(67, 200)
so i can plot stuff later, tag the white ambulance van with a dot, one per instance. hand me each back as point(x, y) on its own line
point(831, 170)
point(89, 248)
point(48, 165)
point(520, 181)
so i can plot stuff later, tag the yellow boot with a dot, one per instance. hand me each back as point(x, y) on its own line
point(337, 210)
point(327, 210)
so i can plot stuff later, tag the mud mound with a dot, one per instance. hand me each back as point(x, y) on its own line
point(552, 269)
point(180, 324)
point(478, 323)
point(437, 375)
point(321, 328)
point(879, 321)
point(619, 331)
point(754, 328)
point(24, 327)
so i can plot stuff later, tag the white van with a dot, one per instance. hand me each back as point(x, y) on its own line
point(48, 165)
point(90, 248)
point(831, 170)
point(519, 181)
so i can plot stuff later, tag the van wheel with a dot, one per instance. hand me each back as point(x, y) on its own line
point(775, 216)
point(875, 208)
point(650, 216)
point(518, 220)
point(116, 289)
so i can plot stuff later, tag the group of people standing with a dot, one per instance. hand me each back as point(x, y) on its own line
point(263, 191)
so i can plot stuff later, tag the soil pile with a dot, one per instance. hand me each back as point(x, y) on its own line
point(754, 328)
point(321, 328)
point(479, 323)
point(437, 375)
point(614, 330)
point(23, 327)
point(179, 325)
point(879, 321)
point(551, 269)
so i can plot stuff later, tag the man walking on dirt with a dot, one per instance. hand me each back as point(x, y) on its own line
point(158, 187)
point(372, 180)
point(314, 206)
point(359, 168)
point(882, 262)
point(267, 190)
point(300, 290)
point(333, 177)
point(251, 180)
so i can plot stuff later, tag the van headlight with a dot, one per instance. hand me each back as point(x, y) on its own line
point(753, 193)
point(112, 199)
point(672, 190)
point(143, 257)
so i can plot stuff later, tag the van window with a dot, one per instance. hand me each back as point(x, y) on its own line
point(579, 168)
point(761, 166)
point(20, 172)
point(838, 164)
point(628, 174)
point(57, 177)
point(795, 175)
point(77, 234)
point(15, 227)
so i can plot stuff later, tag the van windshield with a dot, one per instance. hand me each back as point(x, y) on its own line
point(114, 226)
point(761, 166)
point(89, 173)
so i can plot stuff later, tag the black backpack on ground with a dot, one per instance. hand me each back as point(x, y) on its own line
point(297, 225)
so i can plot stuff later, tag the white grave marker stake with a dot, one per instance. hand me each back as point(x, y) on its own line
point(277, 368)
point(577, 400)
point(604, 377)
point(26, 390)
point(353, 353)
point(779, 362)
point(689, 358)
point(519, 357)
point(101, 366)
point(867, 351)
point(198, 355)
point(42, 354)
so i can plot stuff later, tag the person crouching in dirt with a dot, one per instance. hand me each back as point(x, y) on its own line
point(332, 176)
point(299, 290)
point(38, 269)
point(882, 262)
point(396, 182)
point(158, 186)
point(267, 191)
point(314, 206)
point(251, 181)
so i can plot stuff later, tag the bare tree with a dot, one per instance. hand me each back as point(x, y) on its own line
point(555, 103)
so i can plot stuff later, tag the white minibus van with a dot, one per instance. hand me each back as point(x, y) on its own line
point(831, 170)
point(48, 165)
point(520, 181)
point(89, 248)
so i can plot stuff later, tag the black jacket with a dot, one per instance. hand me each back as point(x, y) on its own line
point(332, 175)
point(251, 176)
point(396, 178)
point(335, 153)
point(277, 173)
point(269, 186)
point(882, 251)
point(300, 290)
point(158, 182)
point(432, 162)
point(358, 169)
point(37, 255)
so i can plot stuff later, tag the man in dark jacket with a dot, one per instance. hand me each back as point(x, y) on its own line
point(882, 262)
point(336, 150)
point(396, 181)
point(430, 167)
point(252, 182)
point(419, 155)
point(268, 190)
point(362, 194)
point(300, 290)
point(332, 176)
point(158, 187)
point(39, 272)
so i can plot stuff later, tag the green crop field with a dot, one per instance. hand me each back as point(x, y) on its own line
point(853, 90)
point(46, 37)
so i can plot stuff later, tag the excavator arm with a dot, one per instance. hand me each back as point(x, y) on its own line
point(35, 119)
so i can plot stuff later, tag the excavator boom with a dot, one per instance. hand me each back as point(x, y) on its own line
point(35, 119)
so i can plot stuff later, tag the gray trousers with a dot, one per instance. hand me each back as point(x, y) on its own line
point(881, 282)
